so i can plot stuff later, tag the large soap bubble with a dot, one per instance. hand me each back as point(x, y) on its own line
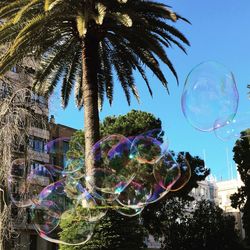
point(56, 209)
point(67, 161)
point(185, 173)
point(167, 171)
point(210, 95)
point(135, 195)
point(26, 180)
point(111, 157)
point(145, 149)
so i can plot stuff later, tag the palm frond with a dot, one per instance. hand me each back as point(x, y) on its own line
point(133, 35)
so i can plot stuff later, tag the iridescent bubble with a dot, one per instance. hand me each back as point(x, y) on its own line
point(167, 171)
point(111, 158)
point(185, 173)
point(146, 149)
point(157, 134)
point(65, 160)
point(46, 216)
point(158, 193)
point(234, 128)
point(128, 211)
point(210, 94)
point(26, 181)
point(127, 174)
point(46, 219)
point(135, 195)
point(56, 209)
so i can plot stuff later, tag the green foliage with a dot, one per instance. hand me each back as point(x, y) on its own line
point(241, 199)
point(118, 232)
point(204, 226)
point(63, 33)
point(133, 123)
point(199, 172)
point(75, 227)
point(113, 231)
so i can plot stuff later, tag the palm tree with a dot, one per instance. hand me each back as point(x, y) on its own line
point(81, 43)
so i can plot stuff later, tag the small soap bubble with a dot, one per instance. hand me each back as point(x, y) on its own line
point(235, 128)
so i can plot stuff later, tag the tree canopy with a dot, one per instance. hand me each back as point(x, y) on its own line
point(82, 43)
point(119, 232)
point(119, 35)
point(179, 224)
point(241, 199)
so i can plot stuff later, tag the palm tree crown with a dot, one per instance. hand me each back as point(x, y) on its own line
point(82, 43)
point(128, 35)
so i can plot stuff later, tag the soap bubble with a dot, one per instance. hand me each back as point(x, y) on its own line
point(67, 161)
point(135, 195)
point(56, 209)
point(167, 171)
point(128, 173)
point(158, 193)
point(209, 95)
point(145, 149)
point(111, 157)
point(45, 219)
point(185, 173)
point(46, 216)
point(26, 181)
point(234, 128)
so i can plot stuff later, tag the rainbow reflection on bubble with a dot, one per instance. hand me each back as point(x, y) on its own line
point(26, 181)
point(128, 174)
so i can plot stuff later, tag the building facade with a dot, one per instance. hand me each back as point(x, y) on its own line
point(34, 131)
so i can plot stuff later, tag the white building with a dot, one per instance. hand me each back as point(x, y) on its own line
point(220, 192)
point(224, 190)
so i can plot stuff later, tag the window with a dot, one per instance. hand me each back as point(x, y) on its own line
point(16, 69)
point(39, 99)
point(4, 90)
point(37, 144)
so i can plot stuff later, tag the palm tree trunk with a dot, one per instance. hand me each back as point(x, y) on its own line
point(90, 100)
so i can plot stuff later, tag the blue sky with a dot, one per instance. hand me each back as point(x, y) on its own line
point(220, 32)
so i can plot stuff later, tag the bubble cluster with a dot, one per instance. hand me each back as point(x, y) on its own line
point(128, 174)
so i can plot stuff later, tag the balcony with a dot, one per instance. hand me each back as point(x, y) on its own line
point(41, 133)
point(37, 156)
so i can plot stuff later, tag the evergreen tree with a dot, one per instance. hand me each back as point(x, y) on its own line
point(118, 232)
point(241, 199)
